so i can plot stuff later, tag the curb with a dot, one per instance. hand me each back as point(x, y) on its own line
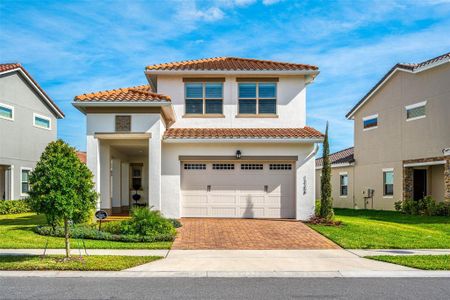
point(332, 274)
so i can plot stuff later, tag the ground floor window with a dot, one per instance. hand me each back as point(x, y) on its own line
point(343, 184)
point(388, 182)
point(25, 181)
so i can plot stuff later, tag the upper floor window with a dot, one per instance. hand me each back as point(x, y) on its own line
point(257, 98)
point(343, 181)
point(370, 122)
point(388, 182)
point(123, 123)
point(203, 98)
point(41, 121)
point(6, 112)
point(415, 111)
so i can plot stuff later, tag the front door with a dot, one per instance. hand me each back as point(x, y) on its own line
point(420, 184)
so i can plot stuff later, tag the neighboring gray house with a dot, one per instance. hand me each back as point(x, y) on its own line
point(401, 138)
point(27, 124)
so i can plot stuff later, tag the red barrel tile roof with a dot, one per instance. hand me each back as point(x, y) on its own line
point(232, 64)
point(242, 133)
point(129, 94)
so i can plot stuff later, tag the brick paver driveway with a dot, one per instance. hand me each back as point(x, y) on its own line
point(248, 234)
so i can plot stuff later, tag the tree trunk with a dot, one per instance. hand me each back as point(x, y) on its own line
point(66, 237)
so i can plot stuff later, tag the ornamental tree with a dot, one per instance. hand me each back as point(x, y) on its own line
point(326, 201)
point(61, 187)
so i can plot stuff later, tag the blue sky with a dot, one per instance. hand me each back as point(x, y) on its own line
point(74, 47)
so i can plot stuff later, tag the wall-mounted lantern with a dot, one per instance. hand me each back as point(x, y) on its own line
point(238, 154)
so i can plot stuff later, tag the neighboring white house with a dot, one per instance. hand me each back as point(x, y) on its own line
point(27, 124)
point(218, 137)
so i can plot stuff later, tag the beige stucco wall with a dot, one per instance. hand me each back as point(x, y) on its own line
point(436, 185)
point(396, 139)
point(338, 200)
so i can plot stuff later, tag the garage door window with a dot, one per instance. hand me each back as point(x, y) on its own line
point(195, 166)
point(223, 166)
point(251, 166)
point(280, 166)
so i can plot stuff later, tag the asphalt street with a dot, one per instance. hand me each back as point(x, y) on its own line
point(224, 288)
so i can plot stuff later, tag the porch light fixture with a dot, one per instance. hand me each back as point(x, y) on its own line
point(238, 154)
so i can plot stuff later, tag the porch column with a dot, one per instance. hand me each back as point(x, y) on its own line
point(116, 181)
point(125, 187)
point(93, 163)
point(154, 173)
point(11, 182)
point(408, 183)
point(447, 179)
point(105, 177)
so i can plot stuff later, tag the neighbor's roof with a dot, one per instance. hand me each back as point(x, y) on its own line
point(340, 157)
point(141, 93)
point(231, 64)
point(414, 68)
point(9, 67)
point(242, 133)
point(81, 156)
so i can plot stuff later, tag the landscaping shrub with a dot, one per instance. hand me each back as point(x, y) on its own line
point(146, 222)
point(426, 206)
point(92, 233)
point(14, 207)
point(176, 223)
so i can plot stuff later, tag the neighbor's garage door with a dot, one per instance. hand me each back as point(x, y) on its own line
point(238, 190)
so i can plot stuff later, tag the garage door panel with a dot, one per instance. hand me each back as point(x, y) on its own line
point(238, 193)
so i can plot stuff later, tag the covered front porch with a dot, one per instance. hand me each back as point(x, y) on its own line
point(124, 173)
point(427, 177)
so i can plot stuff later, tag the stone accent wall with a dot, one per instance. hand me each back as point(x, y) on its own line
point(447, 178)
point(408, 181)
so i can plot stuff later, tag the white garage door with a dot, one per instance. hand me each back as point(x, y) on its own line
point(238, 190)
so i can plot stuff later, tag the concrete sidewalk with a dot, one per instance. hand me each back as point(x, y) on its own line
point(125, 252)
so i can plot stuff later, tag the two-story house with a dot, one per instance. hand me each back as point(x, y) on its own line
point(27, 124)
point(401, 139)
point(217, 137)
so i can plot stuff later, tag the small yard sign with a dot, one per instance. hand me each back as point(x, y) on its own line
point(101, 214)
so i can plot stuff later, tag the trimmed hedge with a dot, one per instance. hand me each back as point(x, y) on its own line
point(91, 233)
point(426, 207)
point(14, 207)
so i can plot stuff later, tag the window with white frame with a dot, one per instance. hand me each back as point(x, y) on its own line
point(343, 182)
point(388, 182)
point(203, 98)
point(257, 98)
point(42, 121)
point(370, 122)
point(25, 181)
point(416, 111)
point(6, 112)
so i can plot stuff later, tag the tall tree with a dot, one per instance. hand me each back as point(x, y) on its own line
point(326, 201)
point(61, 187)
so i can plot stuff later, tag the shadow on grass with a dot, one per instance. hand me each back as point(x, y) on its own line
point(26, 220)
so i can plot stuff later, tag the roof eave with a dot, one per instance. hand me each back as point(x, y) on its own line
point(244, 140)
point(59, 114)
point(386, 77)
point(80, 105)
point(231, 72)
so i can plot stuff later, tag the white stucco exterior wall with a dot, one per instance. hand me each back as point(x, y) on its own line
point(291, 104)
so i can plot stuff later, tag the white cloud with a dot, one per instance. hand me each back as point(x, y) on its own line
point(270, 2)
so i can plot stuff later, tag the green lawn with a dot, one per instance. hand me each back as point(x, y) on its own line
point(371, 229)
point(86, 263)
point(16, 231)
point(424, 262)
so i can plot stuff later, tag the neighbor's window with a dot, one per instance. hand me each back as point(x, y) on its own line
point(204, 98)
point(6, 112)
point(41, 121)
point(415, 111)
point(24, 179)
point(388, 183)
point(370, 122)
point(257, 98)
point(343, 184)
